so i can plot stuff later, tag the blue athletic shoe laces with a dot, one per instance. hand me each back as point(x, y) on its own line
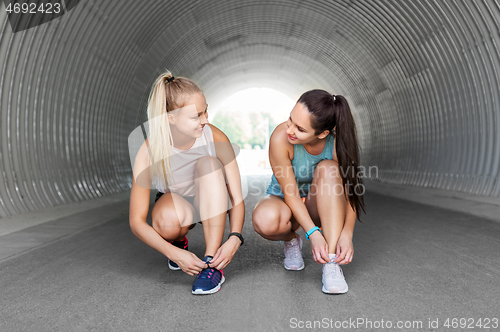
point(208, 280)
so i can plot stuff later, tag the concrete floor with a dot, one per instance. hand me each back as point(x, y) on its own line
point(413, 262)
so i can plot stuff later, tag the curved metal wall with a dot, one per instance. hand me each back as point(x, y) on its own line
point(421, 76)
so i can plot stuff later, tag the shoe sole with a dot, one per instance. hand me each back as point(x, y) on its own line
point(213, 290)
point(339, 292)
point(173, 268)
point(294, 268)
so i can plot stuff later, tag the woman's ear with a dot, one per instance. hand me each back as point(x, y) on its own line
point(171, 119)
point(323, 134)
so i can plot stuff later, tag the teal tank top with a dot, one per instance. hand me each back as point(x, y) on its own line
point(303, 164)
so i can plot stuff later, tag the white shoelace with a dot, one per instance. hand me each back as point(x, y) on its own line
point(332, 269)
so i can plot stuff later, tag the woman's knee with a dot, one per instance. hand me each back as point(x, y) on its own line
point(327, 179)
point(328, 169)
point(266, 222)
point(208, 164)
point(168, 223)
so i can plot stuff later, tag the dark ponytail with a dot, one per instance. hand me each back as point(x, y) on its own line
point(333, 111)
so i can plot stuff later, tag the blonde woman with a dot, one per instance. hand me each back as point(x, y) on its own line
point(193, 166)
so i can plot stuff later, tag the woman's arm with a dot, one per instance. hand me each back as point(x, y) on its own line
point(138, 212)
point(225, 154)
point(350, 221)
point(280, 159)
point(281, 164)
point(345, 248)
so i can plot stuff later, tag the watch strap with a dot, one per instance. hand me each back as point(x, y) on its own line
point(312, 230)
point(238, 235)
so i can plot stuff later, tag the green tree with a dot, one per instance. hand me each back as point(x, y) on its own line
point(229, 125)
point(241, 127)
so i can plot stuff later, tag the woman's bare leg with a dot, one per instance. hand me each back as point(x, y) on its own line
point(326, 202)
point(211, 201)
point(272, 219)
point(172, 216)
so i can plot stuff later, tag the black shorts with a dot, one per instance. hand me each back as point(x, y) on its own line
point(190, 199)
point(158, 195)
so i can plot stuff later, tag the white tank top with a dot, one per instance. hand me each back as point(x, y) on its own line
point(183, 163)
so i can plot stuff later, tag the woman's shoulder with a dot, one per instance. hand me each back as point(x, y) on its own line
point(218, 134)
point(279, 139)
point(279, 135)
point(143, 151)
point(141, 161)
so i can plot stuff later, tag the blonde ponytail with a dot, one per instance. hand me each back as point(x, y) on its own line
point(167, 94)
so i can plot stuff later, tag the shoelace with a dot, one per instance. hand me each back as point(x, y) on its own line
point(206, 273)
point(332, 269)
point(293, 249)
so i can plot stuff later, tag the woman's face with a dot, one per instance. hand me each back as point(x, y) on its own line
point(192, 117)
point(299, 128)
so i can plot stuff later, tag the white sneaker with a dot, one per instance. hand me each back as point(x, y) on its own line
point(333, 278)
point(293, 254)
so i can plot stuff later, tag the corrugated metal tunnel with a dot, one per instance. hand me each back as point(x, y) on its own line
point(421, 76)
point(422, 79)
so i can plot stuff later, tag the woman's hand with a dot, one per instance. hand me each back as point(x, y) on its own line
point(188, 261)
point(345, 250)
point(319, 248)
point(225, 253)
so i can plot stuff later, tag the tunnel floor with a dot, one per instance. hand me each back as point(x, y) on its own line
point(412, 263)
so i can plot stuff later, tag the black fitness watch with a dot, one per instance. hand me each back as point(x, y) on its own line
point(238, 235)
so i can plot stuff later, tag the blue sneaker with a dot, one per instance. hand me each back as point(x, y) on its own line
point(208, 280)
point(183, 244)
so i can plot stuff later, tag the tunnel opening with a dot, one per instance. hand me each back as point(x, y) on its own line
point(248, 117)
